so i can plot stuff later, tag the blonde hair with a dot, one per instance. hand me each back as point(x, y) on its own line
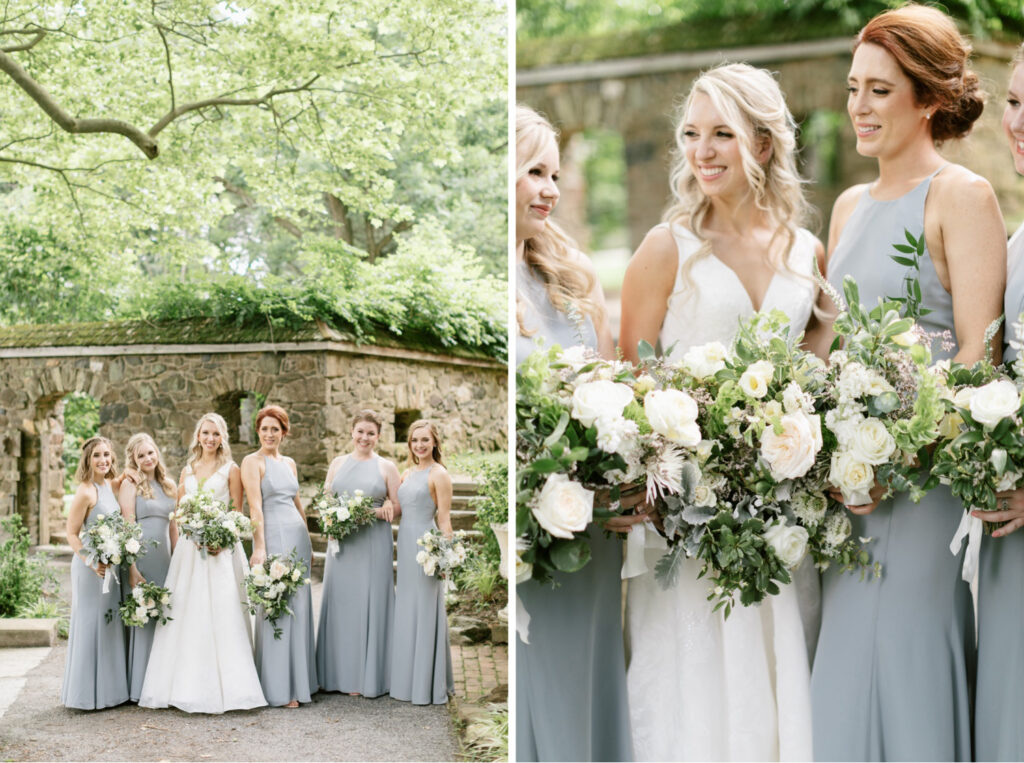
point(549, 254)
point(84, 471)
point(420, 424)
point(159, 473)
point(195, 451)
point(753, 107)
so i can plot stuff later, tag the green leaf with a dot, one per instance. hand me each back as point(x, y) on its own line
point(569, 555)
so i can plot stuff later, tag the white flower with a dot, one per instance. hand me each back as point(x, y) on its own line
point(791, 454)
point(165, 598)
point(789, 543)
point(907, 339)
point(271, 593)
point(599, 398)
point(616, 435)
point(132, 546)
point(1008, 481)
point(665, 471)
point(277, 569)
point(853, 477)
point(962, 397)
point(150, 603)
point(704, 495)
point(755, 380)
point(809, 508)
point(837, 529)
point(296, 574)
point(524, 570)
point(871, 442)
point(705, 360)
point(644, 384)
point(795, 399)
point(421, 557)
point(564, 507)
point(994, 402)
point(357, 493)
point(673, 414)
point(141, 613)
point(576, 356)
point(949, 427)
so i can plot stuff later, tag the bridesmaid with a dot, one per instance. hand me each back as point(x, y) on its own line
point(95, 672)
point(149, 503)
point(571, 676)
point(353, 643)
point(892, 672)
point(286, 666)
point(421, 661)
point(998, 733)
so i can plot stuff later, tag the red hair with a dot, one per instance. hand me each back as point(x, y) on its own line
point(931, 52)
point(275, 412)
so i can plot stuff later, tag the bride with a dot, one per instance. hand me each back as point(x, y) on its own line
point(702, 687)
point(202, 659)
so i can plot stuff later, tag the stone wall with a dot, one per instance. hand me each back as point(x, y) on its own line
point(165, 393)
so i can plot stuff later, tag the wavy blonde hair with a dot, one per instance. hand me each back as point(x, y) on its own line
point(195, 451)
point(429, 425)
point(753, 107)
point(550, 253)
point(159, 473)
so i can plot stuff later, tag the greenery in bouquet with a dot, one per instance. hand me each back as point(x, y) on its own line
point(340, 516)
point(982, 447)
point(148, 602)
point(442, 556)
point(753, 500)
point(585, 424)
point(885, 406)
point(269, 586)
point(114, 541)
point(211, 524)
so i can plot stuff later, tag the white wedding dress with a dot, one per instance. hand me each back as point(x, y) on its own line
point(702, 687)
point(202, 660)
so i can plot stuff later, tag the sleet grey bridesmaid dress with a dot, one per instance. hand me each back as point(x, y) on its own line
point(999, 694)
point(95, 672)
point(421, 661)
point(152, 515)
point(895, 660)
point(286, 666)
point(571, 696)
point(353, 643)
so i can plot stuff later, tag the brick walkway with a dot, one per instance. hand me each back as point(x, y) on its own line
point(479, 668)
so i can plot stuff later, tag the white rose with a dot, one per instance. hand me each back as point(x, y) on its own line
point(962, 397)
point(358, 493)
point(853, 477)
point(421, 557)
point(137, 593)
point(141, 613)
point(132, 546)
point(277, 570)
point(791, 454)
point(871, 442)
point(704, 495)
point(271, 593)
point(296, 574)
point(907, 339)
point(789, 543)
point(563, 506)
point(673, 414)
point(599, 398)
point(755, 380)
point(705, 360)
point(994, 402)
point(165, 598)
point(795, 399)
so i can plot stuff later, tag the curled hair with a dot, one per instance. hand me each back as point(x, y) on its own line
point(159, 473)
point(84, 471)
point(273, 411)
point(549, 254)
point(371, 417)
point(1018, 57)
point(754, 109)
point(932, 53)
point(195, 451)
point(420, 424)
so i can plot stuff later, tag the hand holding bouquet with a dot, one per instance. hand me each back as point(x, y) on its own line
point(269, 586)
point(111, 540)
point(211, 524)
point(441, 556)
point(340, 516)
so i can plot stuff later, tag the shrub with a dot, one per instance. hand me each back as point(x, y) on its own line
point(24, 579)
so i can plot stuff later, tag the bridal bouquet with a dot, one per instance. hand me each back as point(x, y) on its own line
point(753, 501)
point(340, 516)
point(148, 602)
point(886, 406)
point(440, 555)
point(585, 424)
point(270, 584)
point(113, 541)
point(210, 523)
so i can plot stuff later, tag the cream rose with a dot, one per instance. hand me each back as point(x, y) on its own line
point(705, 360)
point(564, 507)
point(277, 570)
point(599, 398)
point(789, 543)
point(994, 402)
point(853, 477)
point(673, 414)
point(132, 546)
point(791, 454)
point(755, 380)
point(871, 442)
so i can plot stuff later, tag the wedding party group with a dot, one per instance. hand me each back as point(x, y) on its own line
point(800, 457)
point(174, 626)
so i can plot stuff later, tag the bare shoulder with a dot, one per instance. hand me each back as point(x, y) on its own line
point(956, 185)
point(389, 466)
point(88, 491)
point(439, 474)
point(582, 261)
point(658, 251)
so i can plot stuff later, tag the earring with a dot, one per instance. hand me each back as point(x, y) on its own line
point(928, 116)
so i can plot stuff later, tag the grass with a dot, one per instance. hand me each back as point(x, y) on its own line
point(486, 738)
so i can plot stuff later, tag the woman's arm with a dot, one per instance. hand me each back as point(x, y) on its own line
point(646, 288)
point(85, 498)
point(126, 498)
point(440, 483)
point(332, 470)
point(252, 475)
point(235, 488)
point(391, 509)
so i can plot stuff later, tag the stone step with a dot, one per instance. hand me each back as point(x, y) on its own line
point(58, 552)
point(21, 631)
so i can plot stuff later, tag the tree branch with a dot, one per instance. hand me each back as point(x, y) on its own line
point(36, 37)
point(167, 55)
